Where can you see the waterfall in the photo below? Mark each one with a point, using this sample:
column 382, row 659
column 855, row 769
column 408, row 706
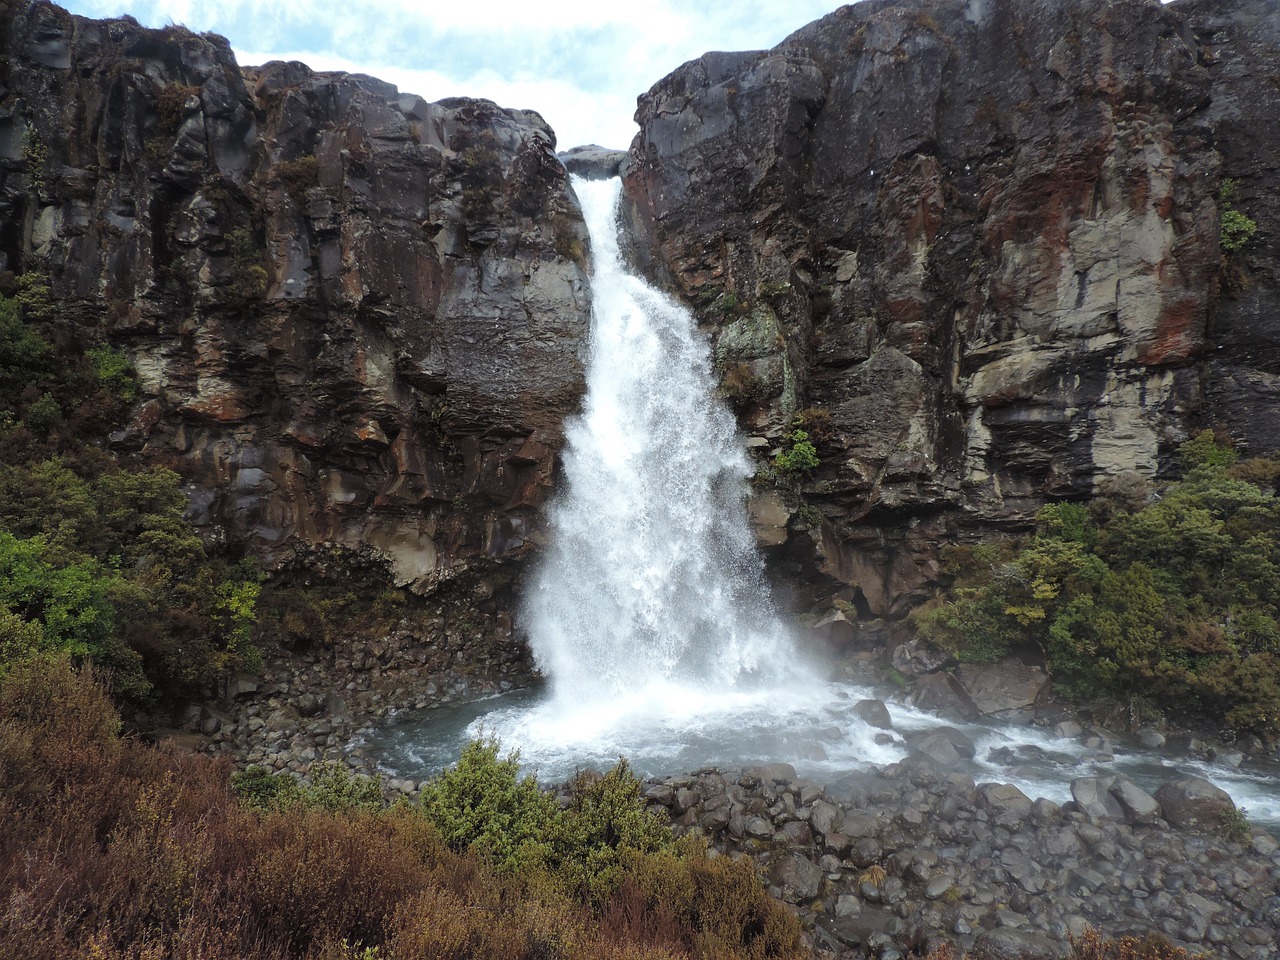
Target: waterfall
column 652, row 574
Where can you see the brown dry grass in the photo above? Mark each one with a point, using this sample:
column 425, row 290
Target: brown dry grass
column 115, row 850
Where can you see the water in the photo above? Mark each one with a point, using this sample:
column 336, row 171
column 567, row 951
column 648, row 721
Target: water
column 650, row 615
column 652, row 581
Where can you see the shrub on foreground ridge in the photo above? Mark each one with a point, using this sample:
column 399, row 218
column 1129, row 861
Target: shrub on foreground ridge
column 114, row 850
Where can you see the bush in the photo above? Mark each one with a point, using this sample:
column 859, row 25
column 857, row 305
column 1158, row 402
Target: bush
column 113, row 372
column 115, row 850
column 800, row 457
column 482, row 804
column 1174, row 601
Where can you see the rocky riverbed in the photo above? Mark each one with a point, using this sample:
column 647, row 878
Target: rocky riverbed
column 878, row 862
column 912, row 855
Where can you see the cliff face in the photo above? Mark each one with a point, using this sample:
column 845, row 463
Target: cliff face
column 356, row 316
column 983, row 239
column 975, row 243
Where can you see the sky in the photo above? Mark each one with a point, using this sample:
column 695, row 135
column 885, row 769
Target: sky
column 580, row 63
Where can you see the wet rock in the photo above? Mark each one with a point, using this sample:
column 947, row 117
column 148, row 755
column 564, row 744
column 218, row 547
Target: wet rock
column 874, row 713
column 942, row 693
column 916, row 658
column 1138, row 805
column 1091, row 793
column 1194, row 803
column 797, row 878
column 1006, row 691
column 1011, row 944
column 592, row 162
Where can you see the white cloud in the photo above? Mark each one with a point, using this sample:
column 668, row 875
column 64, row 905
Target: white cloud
column 576, row 115
column 580, row 63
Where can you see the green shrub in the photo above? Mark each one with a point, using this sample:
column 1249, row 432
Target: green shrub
column 482, row 804
column 43, row 415
column 605, row 819
column 1174, row 601
column 112, row 370
column 800, row 456
column 1237, row 229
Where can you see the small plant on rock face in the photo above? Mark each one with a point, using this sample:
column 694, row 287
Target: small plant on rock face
column 799, row 458
column 1237, row 228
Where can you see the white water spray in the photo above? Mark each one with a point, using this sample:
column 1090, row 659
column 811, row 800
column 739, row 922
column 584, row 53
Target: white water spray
column 652, row 575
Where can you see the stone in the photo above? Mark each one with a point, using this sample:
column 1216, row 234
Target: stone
column 957, row 423
column 797, row 878
column 1138, row 805
column 593, row 162
column 1006, row 802
column 873, row 713
column 916, row 658
column 1006, row 943
column 1193, row 803
column 1004, row 691
column 1150, row 739
column 942, row 693
column 825, row 818
column 1091, row 793
column 847, row 905
column 938, row 887
column 794, row 833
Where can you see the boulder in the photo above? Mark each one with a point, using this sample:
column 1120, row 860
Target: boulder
column 1007, row 804
column 1194, row 803
column 873, row 713
column 1091, row 793
column 943, row 694
column 1138, row 805
column 1004, row 691
column 797, row 878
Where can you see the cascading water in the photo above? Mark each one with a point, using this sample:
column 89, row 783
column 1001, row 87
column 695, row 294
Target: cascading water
column 652, row 575
column 650, row 614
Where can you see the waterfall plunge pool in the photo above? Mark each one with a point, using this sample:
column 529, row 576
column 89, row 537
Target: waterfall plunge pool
column 671, row 730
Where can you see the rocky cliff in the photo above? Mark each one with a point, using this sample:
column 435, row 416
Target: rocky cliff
column 356, row 316
column 975, row 246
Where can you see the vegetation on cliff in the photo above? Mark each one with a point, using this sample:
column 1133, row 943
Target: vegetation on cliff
column 114, row 850
column 1166, row 596
column 96, row 558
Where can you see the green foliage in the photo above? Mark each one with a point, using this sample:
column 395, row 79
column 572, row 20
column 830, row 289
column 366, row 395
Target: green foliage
column 1203, row 450
column 112, row 370
column 259, row 788
column 799, row 458
column 1234, row 825
column 248, row 276
column 24, row 353
column 1237, row 229
column 335, row 788
column 482, row 804
column 1176, row 602
column 605, row 821
column 43, row 415
column 113, row 545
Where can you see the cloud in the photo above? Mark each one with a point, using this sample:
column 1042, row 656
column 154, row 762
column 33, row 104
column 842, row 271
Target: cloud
column 580, row 63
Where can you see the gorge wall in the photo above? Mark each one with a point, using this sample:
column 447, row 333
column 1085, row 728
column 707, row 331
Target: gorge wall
column 977, row 243
column 356, row 316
